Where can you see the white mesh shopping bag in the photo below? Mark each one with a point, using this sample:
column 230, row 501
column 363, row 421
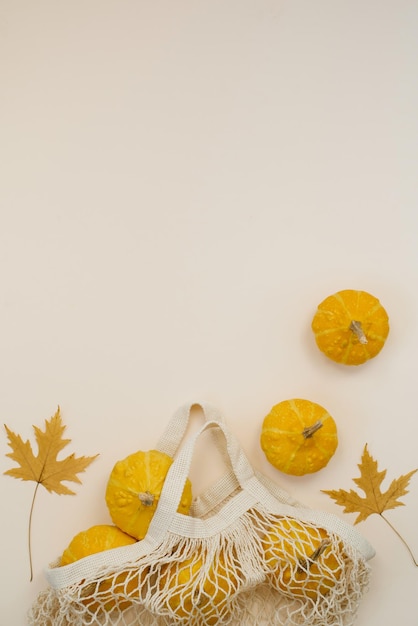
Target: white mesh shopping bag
column 247, row 554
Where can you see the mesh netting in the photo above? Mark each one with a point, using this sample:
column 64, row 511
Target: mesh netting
column 263, row 568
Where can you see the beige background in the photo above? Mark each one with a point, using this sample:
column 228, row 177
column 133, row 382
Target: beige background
column 182, row 183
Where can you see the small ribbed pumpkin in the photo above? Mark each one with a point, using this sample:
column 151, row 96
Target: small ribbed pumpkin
column 298, row 436
column 301, row 559
column 110, row 592
column 190, row 596
column 134, row 487
column 350, row 326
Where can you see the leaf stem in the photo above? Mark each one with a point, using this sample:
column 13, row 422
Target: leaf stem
column 401, row 538
column 29, row 530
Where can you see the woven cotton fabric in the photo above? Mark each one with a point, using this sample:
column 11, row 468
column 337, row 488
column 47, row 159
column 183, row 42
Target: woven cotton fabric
column 248, row 554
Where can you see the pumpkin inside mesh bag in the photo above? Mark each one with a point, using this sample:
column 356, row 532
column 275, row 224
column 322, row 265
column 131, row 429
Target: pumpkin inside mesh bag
column 247, row 554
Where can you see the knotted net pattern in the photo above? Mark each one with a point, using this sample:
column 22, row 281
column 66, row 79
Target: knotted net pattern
column 263, row 568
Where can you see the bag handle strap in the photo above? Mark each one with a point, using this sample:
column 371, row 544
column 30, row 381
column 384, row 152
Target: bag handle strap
column 170, row 441
column 179, row 470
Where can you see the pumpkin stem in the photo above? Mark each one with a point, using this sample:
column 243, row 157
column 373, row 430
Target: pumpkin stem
column 357, row 329
column 311, row 430
column 305, row 564
column 147, row 498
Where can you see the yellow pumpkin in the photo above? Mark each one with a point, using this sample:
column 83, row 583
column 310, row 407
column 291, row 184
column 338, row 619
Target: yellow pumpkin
column 350, row 326
column 301, row 559
column 298, row 436
column 134, row 487
column 104, row 594
column 189, row 595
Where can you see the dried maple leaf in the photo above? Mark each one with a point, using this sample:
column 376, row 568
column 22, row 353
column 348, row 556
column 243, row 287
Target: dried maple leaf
column 374, row 500
column 44, row 468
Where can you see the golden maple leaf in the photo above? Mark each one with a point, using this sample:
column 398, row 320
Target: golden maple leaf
column 374, row 500
column 44, row 468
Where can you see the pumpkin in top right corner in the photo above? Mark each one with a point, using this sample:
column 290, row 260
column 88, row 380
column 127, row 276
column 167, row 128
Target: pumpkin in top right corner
column 350, row 326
